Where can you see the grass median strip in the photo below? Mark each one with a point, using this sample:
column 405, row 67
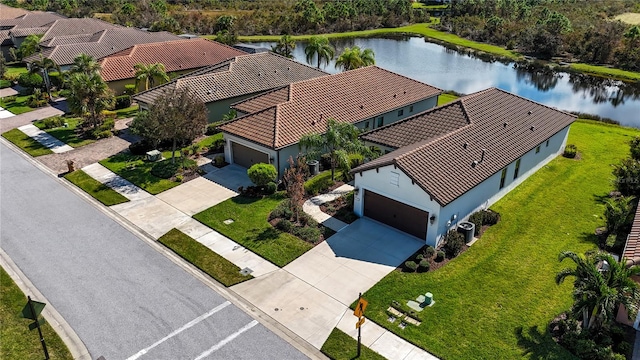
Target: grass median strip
column 340, row 346
column 203, row 258
column 26, row 143
column 68, row 134
column 18, row 342
column 93, row 187
column 138, row 171
column 251, row 229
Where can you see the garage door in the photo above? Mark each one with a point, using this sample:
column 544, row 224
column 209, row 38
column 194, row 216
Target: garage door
column 401, row 216
column 245, row 156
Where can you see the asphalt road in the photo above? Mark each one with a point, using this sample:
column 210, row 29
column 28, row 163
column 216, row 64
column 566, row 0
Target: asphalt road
column 124, row 299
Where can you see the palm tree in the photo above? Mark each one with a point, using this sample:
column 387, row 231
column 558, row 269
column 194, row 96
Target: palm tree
column 89, row 96
column 148, row 74
column 598, row 292
column 339, row 141
column 285, row 46
column 319, row 46
column 354, row 58
column 85, row 64
column 44, row 65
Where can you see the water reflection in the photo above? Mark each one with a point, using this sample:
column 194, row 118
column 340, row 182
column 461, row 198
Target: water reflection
column 466, row 72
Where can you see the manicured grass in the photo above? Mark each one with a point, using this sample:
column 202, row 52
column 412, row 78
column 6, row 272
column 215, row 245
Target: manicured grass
column 629, row 18
column 446, row 98
column 495, row 300
column 340, row 346
column 67, row 134
column 419, row 5
column 4, row 84
column 17, row 107
column 93, row 187
column 203, row 258
column 130, row 111
column 321, row 182
column 16, row 70
column 251, row 229
column 138, row 171
column 26, row 143
column 606, row 71
column 18, row 342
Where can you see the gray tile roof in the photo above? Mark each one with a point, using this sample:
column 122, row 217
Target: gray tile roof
column 242, row 75
column 24, row 32
column 8, row 12
column 32, row 19
column 442, row 165
column 76, row 26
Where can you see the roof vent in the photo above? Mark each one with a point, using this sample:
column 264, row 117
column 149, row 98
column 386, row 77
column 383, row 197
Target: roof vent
column 465, row 145
column 405, row 92
column 275, row 71
column 474, row 163
column 361, row 107
column 209, row 92
column 259, row 74
column 505, row 124
column 533, row 127
column 394, row 95
column 530, row 112
column 288, row 67
column 204, row 53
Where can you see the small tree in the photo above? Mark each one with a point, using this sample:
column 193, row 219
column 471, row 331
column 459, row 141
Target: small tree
column 294, row 178
column 261, row 174
column 28, row 47
column 149, row 73
column 635, row 148
column 285, row 46
column 149, row 127
column 89, row 96
column 44, row 65
column 627, row 175
column 3, row 66
column 84, row 64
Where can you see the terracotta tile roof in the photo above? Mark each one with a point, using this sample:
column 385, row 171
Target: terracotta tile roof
column 8, row 12
column 632, row 248
column 102, row 43
column 243, row 75
column 263, row 101
column 176, row 55
column 442, row 166
column 351, row 96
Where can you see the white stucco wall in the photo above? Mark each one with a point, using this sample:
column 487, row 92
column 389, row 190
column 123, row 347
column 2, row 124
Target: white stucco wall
column 406, row 192
column 228, row 152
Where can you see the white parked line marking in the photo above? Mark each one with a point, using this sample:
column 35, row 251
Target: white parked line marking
column 181, row 329
column 228, row 339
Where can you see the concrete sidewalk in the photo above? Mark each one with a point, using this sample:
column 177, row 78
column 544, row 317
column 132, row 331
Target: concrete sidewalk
column 28, row 118
column 45, row 139
column 312, row 207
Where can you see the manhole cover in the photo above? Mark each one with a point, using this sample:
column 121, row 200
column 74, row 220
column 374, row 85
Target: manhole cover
column 228, row 221
column 246, row 271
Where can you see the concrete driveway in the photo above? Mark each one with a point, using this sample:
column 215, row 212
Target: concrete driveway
column 311, row 294
column 231, row 176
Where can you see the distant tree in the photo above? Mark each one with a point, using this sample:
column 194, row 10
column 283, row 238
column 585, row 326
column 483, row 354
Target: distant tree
column 84, row 64
column 354, row 58
column 294, row 178
column 89, row 96
column 226, row 37
column 44, row 65
column 29, row 46
column 339, row 141
column 225, row 23
column 319, row 47
column 148, row 74
column 285, row 46
column 166, row 23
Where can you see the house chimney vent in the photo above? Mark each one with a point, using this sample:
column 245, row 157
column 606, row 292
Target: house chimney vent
column 505, row 124
column 465, row 145
column 533, row 127
column 530, row 112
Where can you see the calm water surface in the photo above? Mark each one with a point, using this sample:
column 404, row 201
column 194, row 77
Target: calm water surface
column 449, row 70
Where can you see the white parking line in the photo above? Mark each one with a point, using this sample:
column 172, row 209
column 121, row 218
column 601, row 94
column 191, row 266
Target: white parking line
column 183, row 328
column 228, row 339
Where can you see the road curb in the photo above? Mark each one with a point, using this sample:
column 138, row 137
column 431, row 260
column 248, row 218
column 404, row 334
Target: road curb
column 77, row 348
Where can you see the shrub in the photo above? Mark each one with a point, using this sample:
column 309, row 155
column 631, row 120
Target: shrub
column 212, row 128
column 38, row 99
column 123, row 101
column 308, row 233
column 490, row 217
column 271, row 188
column 570, row 151
column 140, row 148
column 217, row 146
column 284, row 225
column 219, row 160
column 635, row 148
column 107, row 125
column 440, row 256
column 261, row 174
column 477, row 218
column 10, row 99
column 102, row 134
column 410, row 266
column 318, row 183
column 165, row 169
column 109, row 114
column 56, row 79
column 429, row 252
column 4, row 84
column 454, row 244
column 53, row 122
column 283, row 211
column 30, row 81
column 179, row 178
column 130, row 89
column 424, row 265
column 419, row 257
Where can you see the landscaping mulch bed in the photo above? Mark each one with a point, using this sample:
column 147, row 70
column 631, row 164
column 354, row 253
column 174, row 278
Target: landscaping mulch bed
column 434, row 265
column 341, row 209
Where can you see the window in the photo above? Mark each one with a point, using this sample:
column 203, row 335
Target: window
column 380, row 121
column 411, row 108
column 547, row 143
column 400, row 112
column 395, row 178
column 515, row 173
column 366, row 125
column 538, row 149
column 503, row 177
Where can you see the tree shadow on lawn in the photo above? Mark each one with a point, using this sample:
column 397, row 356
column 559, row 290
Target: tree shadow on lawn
column 601, row 199
column 539, row 345
column 590, row 238
column 269, row 233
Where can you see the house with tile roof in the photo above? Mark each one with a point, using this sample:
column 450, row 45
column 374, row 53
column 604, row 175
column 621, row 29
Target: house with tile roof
column 631, row 257
column 274, row 122
column 178, row 57
column 22, row 22
column 233, row 80
column 445, row 163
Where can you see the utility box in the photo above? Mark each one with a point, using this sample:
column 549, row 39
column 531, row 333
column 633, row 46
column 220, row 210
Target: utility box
column 154, row 155
column 314, row 167
column 467, row 229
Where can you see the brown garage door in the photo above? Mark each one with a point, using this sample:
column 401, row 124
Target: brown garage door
column 396, row 214
column 245, row 156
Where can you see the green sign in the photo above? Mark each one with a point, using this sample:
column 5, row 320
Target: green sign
column 37, row 307
column 33, row 325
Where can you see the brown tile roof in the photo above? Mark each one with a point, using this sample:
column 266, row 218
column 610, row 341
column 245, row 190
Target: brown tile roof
column 351, row 96
column 102, row 43
column 24, row 32
column 8, row 12
column 243, row 75
column 442, row 166
column 32, row 19
column 175, row 55
column 263, row 101
column 632, row 248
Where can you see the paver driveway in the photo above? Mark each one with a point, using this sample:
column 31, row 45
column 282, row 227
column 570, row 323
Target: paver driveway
column 312, row 293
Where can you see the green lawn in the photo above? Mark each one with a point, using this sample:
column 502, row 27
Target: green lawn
column 16, row 70
column 67, row 134
column 26, row 143
column 18, row 342
column 251, row 229
column 4, row 84
column 138, row 171
column 130, row 111
column 446, row 98
column 93, row 187
column 496, row 300
column 340, row 346
column 203, row 258
column 606, row 71
column 17, row 107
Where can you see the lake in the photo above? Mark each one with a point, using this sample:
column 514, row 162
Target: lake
column 449, row 70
